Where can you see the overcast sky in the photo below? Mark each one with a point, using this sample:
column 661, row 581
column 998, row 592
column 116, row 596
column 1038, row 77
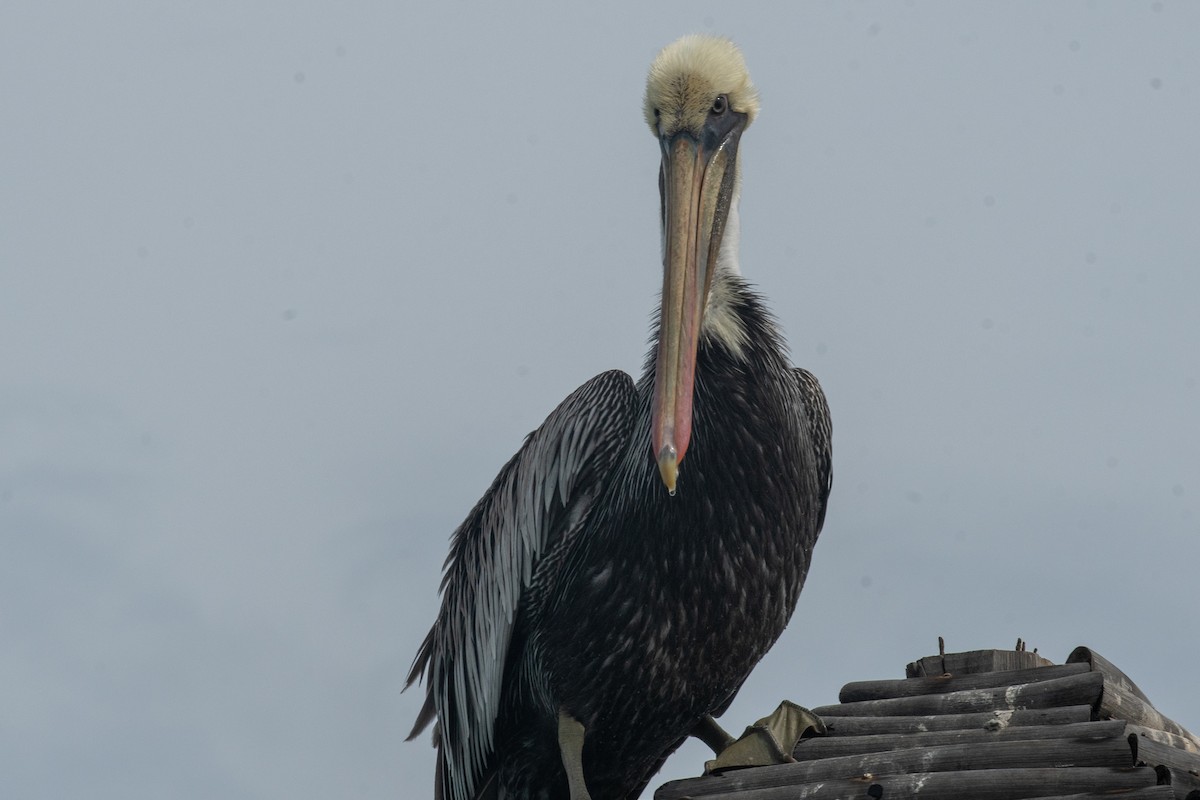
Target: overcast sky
column 282, row 286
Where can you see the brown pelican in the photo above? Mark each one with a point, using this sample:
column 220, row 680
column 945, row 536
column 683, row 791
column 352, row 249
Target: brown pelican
column 646, row 545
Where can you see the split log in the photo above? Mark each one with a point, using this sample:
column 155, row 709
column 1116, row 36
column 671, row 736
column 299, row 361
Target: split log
column 1079, row 689
column 1182, row 783
column 1098, row 663
column 975, row 661
column 941, row 684
column 1122, row 699
column 837, row 746
column 984, row 784
column 1162, row 737
column 1152, row 753
column 870, row 726
column 1104, row 752
column 1061, row 753
column 1179, row 768
column 1149, row 793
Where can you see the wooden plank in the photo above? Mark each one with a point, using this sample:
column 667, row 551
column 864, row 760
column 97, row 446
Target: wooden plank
column 1098, row 663
column 1182, row 783
column 910, row 687
column 1148, row 793
column 986, row 784
column 974, row 661
column 1075, row 753
column 1122, row 699
column 1069, row 691
column 1163, row 737
column 869, row 726
column 1181, row 768
column 1153, row 753
column 836, row 746
column 1109, row 752
column 1117, row 703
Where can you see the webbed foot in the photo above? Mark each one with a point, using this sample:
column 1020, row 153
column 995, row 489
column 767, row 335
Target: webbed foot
column 771, row 740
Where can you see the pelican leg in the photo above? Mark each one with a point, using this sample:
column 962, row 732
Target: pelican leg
column 771, row 740
column 570, row 747
column 709, row 731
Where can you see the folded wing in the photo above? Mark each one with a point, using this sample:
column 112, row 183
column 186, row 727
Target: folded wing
column 545, row 491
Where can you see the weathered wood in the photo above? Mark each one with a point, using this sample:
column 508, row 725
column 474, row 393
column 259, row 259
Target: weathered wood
column 975, row 661
column 1148, row 793
column 1117, row 703
column 1122, row 699
column 869, row 726
column 1162, row 737
column 1182, row 782
column 836, row 746
column 1154, row 752
column 1001, row 725
column 1180, row 767
column 1075, row 753
column 1098, row 663
column 909, row 687
column 1072, row 690
column 985, row 784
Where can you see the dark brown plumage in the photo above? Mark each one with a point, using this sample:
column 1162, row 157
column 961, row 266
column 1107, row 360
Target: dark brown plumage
column 579, row 588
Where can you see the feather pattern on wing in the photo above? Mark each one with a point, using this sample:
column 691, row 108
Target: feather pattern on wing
column 820, row 433
column 545, row 492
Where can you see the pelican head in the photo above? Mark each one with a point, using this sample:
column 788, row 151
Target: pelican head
column 699, row 100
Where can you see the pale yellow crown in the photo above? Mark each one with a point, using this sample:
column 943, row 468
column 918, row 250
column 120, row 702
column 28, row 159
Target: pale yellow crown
column 688, row 76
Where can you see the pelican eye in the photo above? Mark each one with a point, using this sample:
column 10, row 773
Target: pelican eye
column 720, row 105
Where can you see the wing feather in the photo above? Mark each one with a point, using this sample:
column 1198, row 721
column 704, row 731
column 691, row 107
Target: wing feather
column 493, row 558
column 820, row 433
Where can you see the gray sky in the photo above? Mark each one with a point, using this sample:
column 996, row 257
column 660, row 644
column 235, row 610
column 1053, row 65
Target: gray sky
column 283, row 285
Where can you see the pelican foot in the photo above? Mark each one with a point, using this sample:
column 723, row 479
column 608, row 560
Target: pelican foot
column 771, row 740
